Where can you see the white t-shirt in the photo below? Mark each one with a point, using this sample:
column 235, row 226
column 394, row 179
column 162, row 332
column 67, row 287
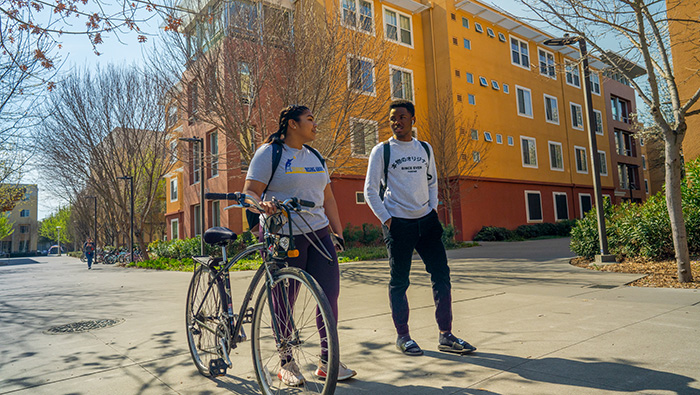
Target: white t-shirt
column 299, row 174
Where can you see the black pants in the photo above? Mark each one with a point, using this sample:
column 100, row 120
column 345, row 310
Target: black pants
column 423, row 235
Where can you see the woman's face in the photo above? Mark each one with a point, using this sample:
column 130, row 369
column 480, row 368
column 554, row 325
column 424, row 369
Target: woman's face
column 305, row 128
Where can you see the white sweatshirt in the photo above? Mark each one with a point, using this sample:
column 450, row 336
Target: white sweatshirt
column 411, row 181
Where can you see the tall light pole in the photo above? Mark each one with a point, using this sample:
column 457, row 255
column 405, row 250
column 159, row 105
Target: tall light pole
column 131, row 234
column 94, row 239
column 200, row 141
column 58, row 228
column 604, row 256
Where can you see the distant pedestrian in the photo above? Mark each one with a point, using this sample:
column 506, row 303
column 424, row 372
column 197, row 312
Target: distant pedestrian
column 89, row 251
column 401, row 190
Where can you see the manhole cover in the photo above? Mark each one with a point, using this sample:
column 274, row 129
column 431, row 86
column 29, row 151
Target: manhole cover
column 84, row 326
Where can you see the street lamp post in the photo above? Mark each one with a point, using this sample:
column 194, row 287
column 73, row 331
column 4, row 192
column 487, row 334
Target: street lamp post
column 200, row 141
column 131, row 234
column 58, row 228
column 604, row 256
column 94, row 220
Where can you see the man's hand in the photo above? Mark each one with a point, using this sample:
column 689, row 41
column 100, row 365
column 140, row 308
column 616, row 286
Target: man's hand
column 388, row 223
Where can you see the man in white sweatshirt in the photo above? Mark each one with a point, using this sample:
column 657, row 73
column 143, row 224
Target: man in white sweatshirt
column 404, row 196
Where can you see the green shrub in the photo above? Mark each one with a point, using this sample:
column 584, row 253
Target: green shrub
column 365, row 235
column 494, row 233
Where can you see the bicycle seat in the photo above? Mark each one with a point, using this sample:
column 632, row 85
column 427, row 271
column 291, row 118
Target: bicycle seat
column 219, row 235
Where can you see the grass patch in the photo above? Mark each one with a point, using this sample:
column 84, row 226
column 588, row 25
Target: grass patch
column 362, row 254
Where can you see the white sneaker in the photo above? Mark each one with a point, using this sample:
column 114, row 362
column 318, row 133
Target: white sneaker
column 344, row 372
column 290, row 374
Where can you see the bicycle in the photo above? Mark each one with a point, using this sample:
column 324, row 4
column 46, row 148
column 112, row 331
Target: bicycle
column 291, row 319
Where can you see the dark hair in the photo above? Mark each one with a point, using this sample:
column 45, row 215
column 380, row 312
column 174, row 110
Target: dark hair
column 405, row 104
column 290, row 112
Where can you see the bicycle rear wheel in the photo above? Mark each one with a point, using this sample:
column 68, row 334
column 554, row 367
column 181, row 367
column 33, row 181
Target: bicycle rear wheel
column 305, row 326
column 205, row 317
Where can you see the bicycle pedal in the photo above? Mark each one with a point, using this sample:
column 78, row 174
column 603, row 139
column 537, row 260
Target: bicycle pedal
column 217, row 367
column 248, row 316
column 241, row 336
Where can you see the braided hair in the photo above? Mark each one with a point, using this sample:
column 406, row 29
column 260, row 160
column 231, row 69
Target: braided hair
column 288, row 113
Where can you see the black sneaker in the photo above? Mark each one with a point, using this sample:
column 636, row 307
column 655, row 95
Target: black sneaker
column 451, row 343
column 408, row 346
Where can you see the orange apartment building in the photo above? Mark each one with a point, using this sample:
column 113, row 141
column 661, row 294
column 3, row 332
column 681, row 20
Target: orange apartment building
column 523, row 99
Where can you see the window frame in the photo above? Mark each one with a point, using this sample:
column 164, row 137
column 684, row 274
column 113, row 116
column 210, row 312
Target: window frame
column 556, row 212
column 506, row 89
column 216, row 219
column 213, row 138
column 551, row 70
column 573, row 117
column 488, row 137
column 398, row 26
column 578, row 149
column 467, row 43
column 517, row 101
column 23, row 211
column 469, row 77
column 176, row 222
column 478, row 28
column 357, row 197
column 361, row 91
column 465, row 22
column 471, row 99
column 358, row 17
column 569, row 67
column 580, row 203
column 551, row 144
column 177, row 192
column 483, row 81
column 527, row 207
column 533, row 140
column 474, row 134
column 403, row 71
column 598, row 116
column 511, row 141
column 520, row 54
column 602, row 160
column 556, row 108
column 499, row 138
column 366, row 123
column 596, row 84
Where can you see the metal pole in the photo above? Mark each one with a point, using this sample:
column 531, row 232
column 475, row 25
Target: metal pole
column 95, row 222
column 131, row 236
column 593, row 145
column 201, row 196
column 59, row 240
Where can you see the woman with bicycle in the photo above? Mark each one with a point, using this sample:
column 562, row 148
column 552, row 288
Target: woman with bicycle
column 301, row 173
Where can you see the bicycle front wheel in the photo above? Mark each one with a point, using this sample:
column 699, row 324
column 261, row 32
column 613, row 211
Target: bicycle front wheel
column 294, row 326
column 205, row 317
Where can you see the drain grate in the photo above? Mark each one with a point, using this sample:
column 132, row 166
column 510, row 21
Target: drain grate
column 84, row 326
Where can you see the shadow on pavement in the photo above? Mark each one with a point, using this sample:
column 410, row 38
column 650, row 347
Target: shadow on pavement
column 17, row 261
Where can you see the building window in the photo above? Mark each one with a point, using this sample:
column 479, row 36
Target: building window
column 620, row 109
column 644, row 162
column 561, row 206
column 174, row 229
column 598, row 122
column 576, row 116
column 360, row 198
column 551, row 109
column 499, row 139
column 172, row 115
column 519, row 53
column 459, row 98
column 494, row 85
column 585, row 203
column 455, row 41
column 192, row 104
column 524, row 100
column 24, row 229
column 646, row 186
column 511, row 142
column 475, row 134
column 465, row 22
column 476, row 156
column 533, row 204
column 398, row 27
column 197, row 223
column 529, row 151
column 501, row 37
column 361, row 75
column 478, row 28
column 483, row 81
column 581, row 163
column 173, row 189
column 603, row 163
column 547, row 64
column 470, row 77
column 402, row 83
column 246, row 82
column 214, row 153
column 24, row 213
column 595, row 83
column 471, row 99
column 487, row 137
column 506, row 88
column 490, row 33
column 196, row 149
column 556, row 157
column 573, row 77
column 173, row 151
column 216, row 213
column 623, row 143
column 350, row 17
column 364, row 136
column 457, row 74
column 467, row 44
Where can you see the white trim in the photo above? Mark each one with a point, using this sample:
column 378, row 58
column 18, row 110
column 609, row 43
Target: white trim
column 511, row 141
column 580, row 203
column 539, row 64
column 569, row 63
column 527, row 207
column 561, row 151
column 499, row 138
column 510, row 52
column 556, row 215
column 605, row 159
column 357, row 195
column 522, row 154
column 585, row 157
column 357, row 18
column 177, row 222
column 398, row 27
column 592, row 73
column 517, row 104
column 602, row 125
column 413, row 85
column 556, row 102
column 374, row 75
column 572, row 116
column 177, row 190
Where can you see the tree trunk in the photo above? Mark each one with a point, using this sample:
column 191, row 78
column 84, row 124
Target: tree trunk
column 675, row 207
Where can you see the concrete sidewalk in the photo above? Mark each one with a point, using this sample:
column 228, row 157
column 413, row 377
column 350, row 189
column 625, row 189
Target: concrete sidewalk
column 541, row 327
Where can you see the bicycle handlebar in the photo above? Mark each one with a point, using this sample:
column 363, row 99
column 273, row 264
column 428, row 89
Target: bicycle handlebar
column 246, row 201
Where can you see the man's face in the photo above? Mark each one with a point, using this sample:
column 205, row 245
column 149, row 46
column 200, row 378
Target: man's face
column 401, row 122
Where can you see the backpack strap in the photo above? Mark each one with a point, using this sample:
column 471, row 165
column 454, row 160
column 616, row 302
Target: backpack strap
column 387, row 155
column 427, row 151
column 318, row 154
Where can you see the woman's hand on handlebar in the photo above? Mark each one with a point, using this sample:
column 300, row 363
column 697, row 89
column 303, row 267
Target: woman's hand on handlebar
column 270, row 207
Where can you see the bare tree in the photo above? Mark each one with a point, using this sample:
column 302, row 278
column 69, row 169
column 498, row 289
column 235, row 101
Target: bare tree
column 641, row 29
column 457, row 155
column 101, row 127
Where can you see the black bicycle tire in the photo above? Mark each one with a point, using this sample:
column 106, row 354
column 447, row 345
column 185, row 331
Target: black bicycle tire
column 216, row 289
column 263, row 374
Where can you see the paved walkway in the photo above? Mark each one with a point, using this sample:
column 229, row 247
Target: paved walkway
column 541, row 326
